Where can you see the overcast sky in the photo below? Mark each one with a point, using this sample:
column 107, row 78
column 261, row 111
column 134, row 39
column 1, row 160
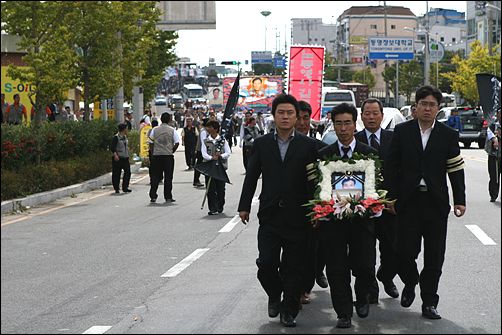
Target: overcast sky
column 240, row 28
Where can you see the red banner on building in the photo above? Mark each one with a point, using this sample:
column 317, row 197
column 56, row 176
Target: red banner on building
column 306, row 68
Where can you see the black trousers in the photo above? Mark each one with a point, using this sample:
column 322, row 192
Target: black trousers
column 348, row 245
column 215, row 194
column 421, row 218
column 282, row 261
column 494, row 183
column 196, row 174
column 162, row 165
column 386, row 233
column 117, row 167
column 190, row 154
column 316, row 260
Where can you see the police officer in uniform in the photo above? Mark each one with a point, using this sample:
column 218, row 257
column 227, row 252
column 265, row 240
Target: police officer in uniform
column 120, row 159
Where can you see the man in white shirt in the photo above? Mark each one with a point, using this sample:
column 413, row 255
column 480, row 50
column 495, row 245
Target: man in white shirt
column 211, row 151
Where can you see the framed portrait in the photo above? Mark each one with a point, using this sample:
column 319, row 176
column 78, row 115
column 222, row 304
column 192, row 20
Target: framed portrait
column 348, row 183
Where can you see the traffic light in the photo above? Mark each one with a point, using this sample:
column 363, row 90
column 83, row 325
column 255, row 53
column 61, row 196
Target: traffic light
column 232, row 62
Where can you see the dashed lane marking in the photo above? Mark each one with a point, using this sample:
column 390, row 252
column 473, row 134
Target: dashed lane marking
column 230, row 225
column 97, row 330
column 480, row 234
column 175, row 270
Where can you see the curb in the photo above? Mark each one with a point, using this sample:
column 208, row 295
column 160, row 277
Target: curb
column 49, row 196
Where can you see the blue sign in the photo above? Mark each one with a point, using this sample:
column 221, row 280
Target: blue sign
column 280, row 62
column 264, row 57
column 397, row 48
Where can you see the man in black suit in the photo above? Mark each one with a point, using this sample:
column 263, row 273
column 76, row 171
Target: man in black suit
column 315, row 271
column 422, row 152
column 385, row 225
column 281, row 158
column 348, row 244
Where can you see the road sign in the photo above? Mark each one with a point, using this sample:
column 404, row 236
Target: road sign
column 263, row 57
column 280, row 62
column 396, row 48
column 436, row 51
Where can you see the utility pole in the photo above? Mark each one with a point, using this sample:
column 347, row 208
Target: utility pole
column 387, row 97
column 427, row 61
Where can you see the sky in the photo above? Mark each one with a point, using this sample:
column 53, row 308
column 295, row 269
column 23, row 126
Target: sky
column 240, row 27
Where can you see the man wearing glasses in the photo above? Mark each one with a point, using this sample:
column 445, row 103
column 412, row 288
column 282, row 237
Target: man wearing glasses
column 421, row 154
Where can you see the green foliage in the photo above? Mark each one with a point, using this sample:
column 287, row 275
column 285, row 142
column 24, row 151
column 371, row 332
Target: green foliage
column 410, row 78
column 463, row 79
column 365, row 77
column 133, row 140
column 30, row 179
column 331, row 71
column 27, row 145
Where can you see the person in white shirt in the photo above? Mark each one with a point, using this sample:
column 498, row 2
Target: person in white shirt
column 211, row 151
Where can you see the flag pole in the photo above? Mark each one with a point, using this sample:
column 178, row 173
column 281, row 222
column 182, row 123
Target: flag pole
column 205, row 195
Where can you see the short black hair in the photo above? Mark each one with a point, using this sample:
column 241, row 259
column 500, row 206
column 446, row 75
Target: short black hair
column 213, row 124
column 155, row 123
column 257, row 78
column 347, row 179
column 165, row 117
column 15, row 96
column 122, row 126
column 216, row 89
column 304, row 106
column 427, row 90
column 344, row 108
column 285, row 99
column 372, row 101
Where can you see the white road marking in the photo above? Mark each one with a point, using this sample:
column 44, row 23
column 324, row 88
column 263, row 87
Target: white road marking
column 97, row 330
column 480, row 234
column 230, row 225
column 175, row 270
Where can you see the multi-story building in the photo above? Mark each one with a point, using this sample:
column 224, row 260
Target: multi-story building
column 313, row 31
column 483, row 23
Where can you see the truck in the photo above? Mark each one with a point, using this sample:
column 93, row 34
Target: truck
column 360, row 91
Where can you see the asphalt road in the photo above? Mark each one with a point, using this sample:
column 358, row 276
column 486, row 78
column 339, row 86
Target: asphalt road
column 98, row 262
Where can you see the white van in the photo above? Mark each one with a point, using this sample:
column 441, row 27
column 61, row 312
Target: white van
column 331, row 97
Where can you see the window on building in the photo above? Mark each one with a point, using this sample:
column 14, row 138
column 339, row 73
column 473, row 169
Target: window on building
column 373, row 26
column 315, row 39
column 453, row 39
column 392, row 26
column 322, row 40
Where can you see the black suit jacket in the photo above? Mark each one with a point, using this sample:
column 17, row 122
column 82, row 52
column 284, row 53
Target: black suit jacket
column 284, row 184
column 333, row 149
column 407, row 162
column 385, row 139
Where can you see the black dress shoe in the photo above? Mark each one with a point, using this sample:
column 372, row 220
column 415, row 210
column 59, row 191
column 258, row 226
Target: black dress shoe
column 153, row 199
column 274, row 306
column 212, row 213
column 170, row 200
column 117, row 191
column 391, row 289
column 362, row 309
column 287, row 320
column 430, row 312
column 493, row 199
column 127, row 190
column 373, row 298
column 322, row 281
column 408, row 296
column 344, row 322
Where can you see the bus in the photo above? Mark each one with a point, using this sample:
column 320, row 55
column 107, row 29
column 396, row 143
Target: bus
column 193, row 92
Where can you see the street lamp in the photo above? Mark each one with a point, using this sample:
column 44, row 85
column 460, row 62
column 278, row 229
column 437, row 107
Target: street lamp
column 265, row 13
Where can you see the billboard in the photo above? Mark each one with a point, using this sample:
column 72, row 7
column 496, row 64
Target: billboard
column 13, row 86
column 306, row 69
column 256, row 92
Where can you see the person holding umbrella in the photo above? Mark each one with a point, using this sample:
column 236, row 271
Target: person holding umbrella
column 209, row 150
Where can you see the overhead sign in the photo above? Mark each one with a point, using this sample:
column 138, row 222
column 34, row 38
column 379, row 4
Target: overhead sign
column 280, row 62
column 306, row 67
column 397, row 48
column 261, row 57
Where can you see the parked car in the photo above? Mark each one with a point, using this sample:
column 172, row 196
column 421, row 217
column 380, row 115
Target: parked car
column 473, row 124
column 160, row 100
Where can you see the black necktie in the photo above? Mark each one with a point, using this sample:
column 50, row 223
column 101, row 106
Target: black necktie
column 345, row 152
column 374, row 142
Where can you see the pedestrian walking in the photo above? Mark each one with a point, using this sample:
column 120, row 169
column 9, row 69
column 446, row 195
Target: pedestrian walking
column 120, row 160
column 385, row 225
column 189, row 136
column 316, row 261
column 349, row 244
column 281, row 159
column 16, row 112
column 493, row 149
column 165, row 143
column 215, row 187
column 251, row 132
column 422, row 152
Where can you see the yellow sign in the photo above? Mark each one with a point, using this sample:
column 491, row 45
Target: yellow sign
column 143, row 141
column 11, row 87
column 358, row 39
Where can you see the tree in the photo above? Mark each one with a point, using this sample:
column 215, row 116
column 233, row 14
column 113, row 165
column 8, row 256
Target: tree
column 50, row 57
column 410, row 78
column 479, row 61
column 365, row 76
column 331, row 70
